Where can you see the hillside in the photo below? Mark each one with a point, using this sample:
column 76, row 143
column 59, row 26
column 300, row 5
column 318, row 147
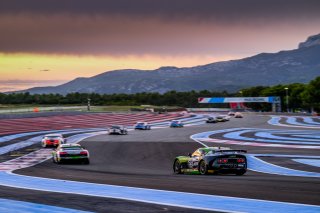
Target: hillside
column 299, row 65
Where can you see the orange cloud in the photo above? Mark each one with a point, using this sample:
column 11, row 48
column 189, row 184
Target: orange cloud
column 25, row 70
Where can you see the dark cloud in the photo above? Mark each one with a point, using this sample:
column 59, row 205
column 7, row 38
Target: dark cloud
column 218, row 9
column 150, row 26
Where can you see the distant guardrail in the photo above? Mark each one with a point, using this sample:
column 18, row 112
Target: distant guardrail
column 43, row 109
column 208, row 109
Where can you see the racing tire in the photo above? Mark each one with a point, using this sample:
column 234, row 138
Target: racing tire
column 56, row 161
column 203, row 168
column 177, row 167
column 86, row 161
column 241, row 172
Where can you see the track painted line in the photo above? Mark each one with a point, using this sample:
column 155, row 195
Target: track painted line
column 8, row 138
column 14, row 206
column 259, row 165
column 287, row 156
column 162, row 197
column 311, row 121
column 178, row 199
column 311, row 162
column 41, row 155
column 189, row 121
column 311, row 137
column 294, row 121
column 254, row 163
column 291, row 122
column 35, row 140
column 268, row 137
column 13, row 126
column 235, row 133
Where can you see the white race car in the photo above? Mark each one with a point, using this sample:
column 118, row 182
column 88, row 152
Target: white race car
column 117, row 130
column 70, row 152
column 238, row 115
column 231, row 113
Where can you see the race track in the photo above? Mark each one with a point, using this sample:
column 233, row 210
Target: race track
column 284, row 163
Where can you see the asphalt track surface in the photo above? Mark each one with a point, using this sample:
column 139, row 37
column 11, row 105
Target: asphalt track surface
column 144, row 159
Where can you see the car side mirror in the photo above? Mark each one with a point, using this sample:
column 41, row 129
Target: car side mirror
column 190, row 155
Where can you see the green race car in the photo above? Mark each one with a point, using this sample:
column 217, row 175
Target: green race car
column 212, row 160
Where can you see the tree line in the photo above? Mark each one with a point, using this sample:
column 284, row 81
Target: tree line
column 300, row 96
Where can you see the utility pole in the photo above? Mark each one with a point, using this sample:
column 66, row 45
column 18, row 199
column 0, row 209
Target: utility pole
column 287, row 98
column 88, row 105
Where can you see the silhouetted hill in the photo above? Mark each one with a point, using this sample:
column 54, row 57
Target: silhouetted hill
column 299, row 65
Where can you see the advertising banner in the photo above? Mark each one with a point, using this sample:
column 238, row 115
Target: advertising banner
column 272, row 99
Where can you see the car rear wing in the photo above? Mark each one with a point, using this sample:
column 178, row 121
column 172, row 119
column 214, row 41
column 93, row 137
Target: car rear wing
column 232, row 150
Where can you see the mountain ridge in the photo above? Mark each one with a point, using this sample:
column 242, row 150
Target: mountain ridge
column 266, row 69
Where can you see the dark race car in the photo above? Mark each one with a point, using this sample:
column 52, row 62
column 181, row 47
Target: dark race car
column 176, row 124
column 211, row 119
column 117, row 130
column 212, row 160
column 222, row 118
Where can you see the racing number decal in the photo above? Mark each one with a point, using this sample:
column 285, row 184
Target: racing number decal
column 193, row 162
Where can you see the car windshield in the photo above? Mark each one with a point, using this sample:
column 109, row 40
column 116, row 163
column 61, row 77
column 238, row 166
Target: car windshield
column 115, row 127
column 52, row 137
column 72, row 148
column 210, row 152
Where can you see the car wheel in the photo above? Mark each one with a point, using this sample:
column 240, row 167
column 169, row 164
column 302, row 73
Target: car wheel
column 86, row 161
column 44, row 145
column 55, row 160
column 177, row 167
column 241, row 172
column 203, row 169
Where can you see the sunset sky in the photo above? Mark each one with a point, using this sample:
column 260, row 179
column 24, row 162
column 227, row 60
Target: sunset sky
column 49, row 42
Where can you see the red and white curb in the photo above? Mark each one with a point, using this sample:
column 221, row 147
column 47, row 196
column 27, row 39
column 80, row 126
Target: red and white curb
column 27, row 160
